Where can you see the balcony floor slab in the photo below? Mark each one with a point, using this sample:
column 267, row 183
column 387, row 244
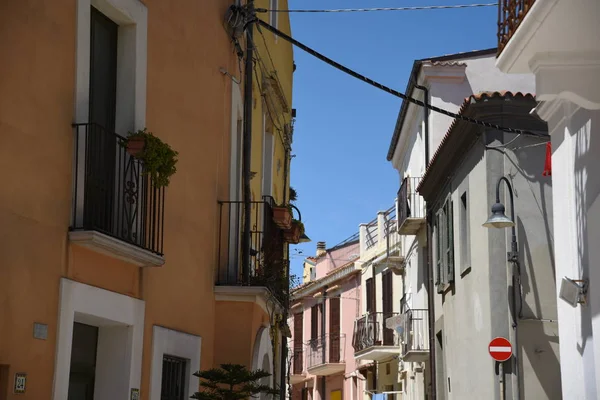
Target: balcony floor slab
column 327, row 369
column 116, row 248
column 411, row 226
column 377, row 353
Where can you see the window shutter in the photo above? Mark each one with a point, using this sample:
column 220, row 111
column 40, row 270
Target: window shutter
column 444, row 246
column 438, row 249
column 450, row 224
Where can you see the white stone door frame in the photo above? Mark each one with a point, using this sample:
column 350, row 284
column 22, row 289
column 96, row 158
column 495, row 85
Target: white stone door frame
column 120, row 320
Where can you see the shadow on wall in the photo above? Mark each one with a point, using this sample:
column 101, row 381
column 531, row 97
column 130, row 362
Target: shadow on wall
column 537, row 339
column 587, row 190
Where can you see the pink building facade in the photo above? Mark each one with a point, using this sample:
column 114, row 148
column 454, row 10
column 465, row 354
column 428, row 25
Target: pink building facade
column 322, row 315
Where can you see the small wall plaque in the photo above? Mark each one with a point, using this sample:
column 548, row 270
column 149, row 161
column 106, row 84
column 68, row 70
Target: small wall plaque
column 135, row 394
column 40, row 331
column 20, row 382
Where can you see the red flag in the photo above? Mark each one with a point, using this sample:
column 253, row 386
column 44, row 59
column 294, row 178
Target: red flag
column 548, row 164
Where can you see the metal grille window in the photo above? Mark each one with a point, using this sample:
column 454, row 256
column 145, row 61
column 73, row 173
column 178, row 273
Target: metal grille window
column 173, row 378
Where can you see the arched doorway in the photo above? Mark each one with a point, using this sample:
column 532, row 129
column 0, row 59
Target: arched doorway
column 263, row 356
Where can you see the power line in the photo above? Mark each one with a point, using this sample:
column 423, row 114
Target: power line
column 390, row 90
column 340, row 10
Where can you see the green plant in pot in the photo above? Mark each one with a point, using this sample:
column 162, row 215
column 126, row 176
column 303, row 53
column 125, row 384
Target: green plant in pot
column 159, row 158
column 293, row 234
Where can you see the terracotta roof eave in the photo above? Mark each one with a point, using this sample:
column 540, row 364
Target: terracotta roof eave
column 464, row 110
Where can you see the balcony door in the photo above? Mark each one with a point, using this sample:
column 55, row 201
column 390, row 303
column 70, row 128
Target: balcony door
column 298, row 340
column 272, row 247
column 334, row 330
column 83, row 362
column 387, row 301
column 100, row 179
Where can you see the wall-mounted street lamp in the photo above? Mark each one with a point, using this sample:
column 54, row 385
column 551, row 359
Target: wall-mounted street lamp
column 499, row 220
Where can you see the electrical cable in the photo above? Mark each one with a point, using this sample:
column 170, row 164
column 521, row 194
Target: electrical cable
column 340, row 10
column 391, row 91
column 263, row 69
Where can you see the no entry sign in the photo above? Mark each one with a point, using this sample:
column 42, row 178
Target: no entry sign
column 500, row 349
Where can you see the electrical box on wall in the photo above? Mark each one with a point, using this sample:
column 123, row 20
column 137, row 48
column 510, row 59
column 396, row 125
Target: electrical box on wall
column 573, row 291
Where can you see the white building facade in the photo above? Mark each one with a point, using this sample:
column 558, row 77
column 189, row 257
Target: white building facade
column 559, row 42
column 444, row 82
column 376, row 343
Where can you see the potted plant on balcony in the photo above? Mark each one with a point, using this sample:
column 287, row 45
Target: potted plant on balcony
column 293, row 234
column 282, row 216
column 159, row 158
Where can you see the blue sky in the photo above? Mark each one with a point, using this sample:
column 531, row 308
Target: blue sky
column 344, row 126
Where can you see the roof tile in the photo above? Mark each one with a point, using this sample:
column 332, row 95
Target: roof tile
column 474, row 98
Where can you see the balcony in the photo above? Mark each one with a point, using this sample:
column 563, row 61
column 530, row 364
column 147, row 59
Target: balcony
column 117, row 210
column 372, row 340
column 326, row 355
column 411, row 207
column 379, row 240
column 298, row 375
column 416, row 336
column 510, row 15
column 267, row 267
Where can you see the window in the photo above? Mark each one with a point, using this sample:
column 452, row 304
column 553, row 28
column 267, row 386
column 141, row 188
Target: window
column 273, row 16
column 173, row 378
column 298, row 339
column 334, row 329
column 387, row 305
column 370, row 296
column 268, row 149
column 314, row 322
column 465, row 239
column 444, row 234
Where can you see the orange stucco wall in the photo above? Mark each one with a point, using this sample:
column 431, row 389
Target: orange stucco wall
column 239, row 320
column 188, row 106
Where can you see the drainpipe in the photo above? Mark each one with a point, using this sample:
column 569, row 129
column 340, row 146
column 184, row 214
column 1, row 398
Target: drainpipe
column 284, row 347
column 431, row 304
column 429, row 256
column 323, row 320
column 425, row 120
column 247, row 151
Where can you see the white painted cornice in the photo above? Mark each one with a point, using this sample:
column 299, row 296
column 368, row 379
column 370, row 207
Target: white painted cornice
column 444, row 73
column 571, row 76
column 325, row 281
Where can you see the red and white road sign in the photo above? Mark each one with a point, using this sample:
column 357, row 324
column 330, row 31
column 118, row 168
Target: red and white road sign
column 500, row 349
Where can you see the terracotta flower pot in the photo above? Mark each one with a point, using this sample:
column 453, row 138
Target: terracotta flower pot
column 135, row 146
column 292, row 235
column 282, row 217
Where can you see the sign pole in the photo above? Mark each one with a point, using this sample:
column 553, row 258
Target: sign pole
column 501, row 379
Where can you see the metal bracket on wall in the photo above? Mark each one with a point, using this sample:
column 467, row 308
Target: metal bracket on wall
column 574, row 291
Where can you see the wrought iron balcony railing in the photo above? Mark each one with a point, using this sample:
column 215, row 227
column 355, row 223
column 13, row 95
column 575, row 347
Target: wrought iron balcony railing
column 267, row 268
column 327, row 349
column 416, row 333
column 370, row 331
column 111, row 193
column 510, row 15
column 411, row 207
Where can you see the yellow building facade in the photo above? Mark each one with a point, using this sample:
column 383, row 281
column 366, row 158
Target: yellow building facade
column 255, row 307
column 110, row 285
